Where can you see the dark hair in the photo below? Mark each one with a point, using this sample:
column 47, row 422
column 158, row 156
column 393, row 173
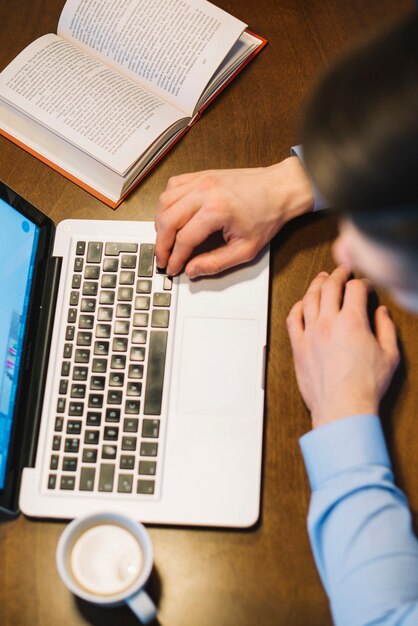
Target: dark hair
column 360, row 136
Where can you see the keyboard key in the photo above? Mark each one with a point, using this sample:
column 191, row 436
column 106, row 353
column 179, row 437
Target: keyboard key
column 108, row 281
column 105, row 314
column 91, row 437
column 87, row 475
column 101, row 348
column 94, row 252
column 148, row 448
column 128, row 261
column 56, row 442
column 92, row 272
column 116, row 379
column 52, row 481
column 139, row 336
column 111, row 433
column 167, row 283
column 67, row 483
column 103, row 331
column 145, row 487
column 65, row 368
column 68, row 350
column 69, row 333
column 86, row 321
column 96, row 400
column 54, row 462
column 80, row 373
column 147, row 468
column 127, row 278
column 82, row 355
column 146, row 260
column 59, row 423
column 93, row 418
column 106, row 477
column 72, row 316
column 129, row 444
column 89, row 455
column 125, row 483
column 88, row 305
column 114, row 248
column 84, row 338
column 97, row 383
column 130, row 425
column 109, row 452
column 125, row 294
column 76, row 282
column 72, row 445
column 136, row 371
column 120, row 344
column 155, row 373
column 127, row 461
column 78, row 391
column 143, row 286
column 141, row 319
column 114, row 397
column 73, row 427
column 161, row 299
column 60, row 405
column 80, row 248
column 123, row 310
column 137, row 354
column 150, row 428
column 99, row 366
column 63, row 386
column 132, row 407
column 112, row 415
column 74, row 298
column 76, row 409
column 90, row 289
column 142, row 303
column 107, row 297
column 78, row 264
column 110, row 265
column 160, row 318
column 122, row 327
column 133, row 389
column 118, row 361
column 69, row 464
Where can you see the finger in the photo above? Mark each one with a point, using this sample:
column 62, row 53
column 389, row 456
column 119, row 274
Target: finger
column 193, row 233
column 386, row 333
column 295, row 324
column 235, row 252
column 333, row 289
column 168, row 225
column 355, row 296
column 169, row 197
column 311, row 299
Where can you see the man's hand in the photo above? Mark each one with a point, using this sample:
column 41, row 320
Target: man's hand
column 248, row 206
column 342, row 368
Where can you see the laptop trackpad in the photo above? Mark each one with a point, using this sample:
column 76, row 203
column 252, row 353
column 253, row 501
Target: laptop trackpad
column 219, row 367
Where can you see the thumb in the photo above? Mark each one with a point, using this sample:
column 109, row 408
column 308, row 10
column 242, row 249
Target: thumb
column 386, row 333
column 231, row 254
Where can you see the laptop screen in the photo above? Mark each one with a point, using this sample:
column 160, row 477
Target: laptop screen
column 18, row 245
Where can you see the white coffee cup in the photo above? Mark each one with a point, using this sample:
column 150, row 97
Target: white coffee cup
column 107, row 558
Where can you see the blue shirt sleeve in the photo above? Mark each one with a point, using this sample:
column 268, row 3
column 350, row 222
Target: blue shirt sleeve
column 319, row 202
column 360, row 525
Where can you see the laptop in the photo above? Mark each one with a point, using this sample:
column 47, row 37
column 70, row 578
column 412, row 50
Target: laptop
column 121, row 388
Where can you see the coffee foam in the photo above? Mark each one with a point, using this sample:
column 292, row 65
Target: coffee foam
column 106, row 560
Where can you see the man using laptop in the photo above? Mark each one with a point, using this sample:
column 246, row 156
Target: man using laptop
column 361, row 138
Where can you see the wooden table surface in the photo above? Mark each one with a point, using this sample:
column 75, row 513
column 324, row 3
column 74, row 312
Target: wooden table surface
column 206, row 577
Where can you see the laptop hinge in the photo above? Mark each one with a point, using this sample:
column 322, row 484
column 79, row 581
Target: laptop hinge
column 38, row 357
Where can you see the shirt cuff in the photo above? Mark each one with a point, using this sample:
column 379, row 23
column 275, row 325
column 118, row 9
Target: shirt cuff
column 345, row 444
column 319, row 202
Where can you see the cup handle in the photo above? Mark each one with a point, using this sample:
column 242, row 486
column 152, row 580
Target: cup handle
column 143, row 607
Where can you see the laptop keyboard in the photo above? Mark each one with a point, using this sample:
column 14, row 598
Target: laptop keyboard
column 107, row 423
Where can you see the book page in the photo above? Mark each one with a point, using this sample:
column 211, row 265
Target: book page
column 171, row 46
column 98, row 110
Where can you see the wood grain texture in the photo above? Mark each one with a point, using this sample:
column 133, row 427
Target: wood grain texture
column 264, row 576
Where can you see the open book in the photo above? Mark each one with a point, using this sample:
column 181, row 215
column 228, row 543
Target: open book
column 120, row 83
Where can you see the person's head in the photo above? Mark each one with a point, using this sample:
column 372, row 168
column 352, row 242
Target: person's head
column 360, row 137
